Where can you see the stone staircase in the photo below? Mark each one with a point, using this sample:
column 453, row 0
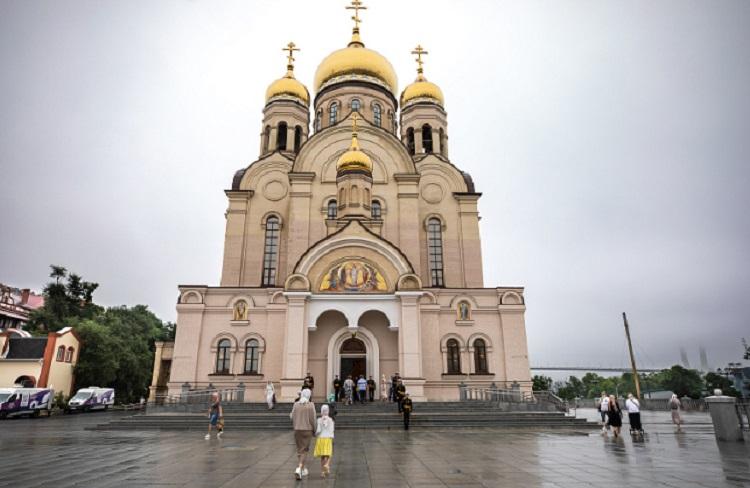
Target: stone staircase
column 375, row 415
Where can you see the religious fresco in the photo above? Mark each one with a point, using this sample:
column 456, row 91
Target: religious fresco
column 353, row 276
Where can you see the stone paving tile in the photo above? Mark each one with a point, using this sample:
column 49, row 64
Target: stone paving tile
column 59, row 452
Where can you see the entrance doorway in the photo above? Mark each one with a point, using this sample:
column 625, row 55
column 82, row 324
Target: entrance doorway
column 353, row 358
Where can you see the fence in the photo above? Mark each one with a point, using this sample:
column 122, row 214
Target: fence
column 687, row 404
column 514, row 398
column 742, row 407
column 195, row 400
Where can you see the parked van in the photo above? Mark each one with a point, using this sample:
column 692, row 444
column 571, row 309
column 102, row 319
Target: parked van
column 91, row 398
column 15, row 402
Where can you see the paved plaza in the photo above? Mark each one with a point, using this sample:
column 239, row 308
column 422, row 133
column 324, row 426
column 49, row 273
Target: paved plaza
column 60, row 452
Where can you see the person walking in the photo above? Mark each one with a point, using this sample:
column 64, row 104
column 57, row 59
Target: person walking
column 633, row 406
column 400, row 395
column 406, row 406
column 215, row 416
column 337, row 387
column 614, row 417
column 362, row 389
column 303, row 422
column 674, row 406
column 324, row 441
column 348, row 390
column 604, row 410
column 383, row 389
column 394, row 384
column 371, row 385
column 309, row 381
column 270, row 395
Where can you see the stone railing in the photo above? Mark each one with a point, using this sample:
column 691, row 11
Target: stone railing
column 190, row 400
column 517, row 397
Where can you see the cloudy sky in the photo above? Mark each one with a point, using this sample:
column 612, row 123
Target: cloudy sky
column 611, row 141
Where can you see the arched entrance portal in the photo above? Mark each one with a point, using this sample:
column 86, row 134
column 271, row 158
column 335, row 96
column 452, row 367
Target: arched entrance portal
column 25, row 381
column 353, row 358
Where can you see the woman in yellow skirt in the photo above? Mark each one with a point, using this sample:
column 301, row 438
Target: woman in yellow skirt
column 324, row 441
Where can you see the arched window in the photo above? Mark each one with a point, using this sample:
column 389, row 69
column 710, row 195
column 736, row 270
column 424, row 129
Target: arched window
column 454, row 357
column 281, row 136
column 333, row 113
column 222, row 356
column 355, row 105
column 480, row 356
column 251, row 356
column 377, row 115
column 297, row 138
column 427, row 138
column 271, row 251
column 60, row 354
column 410, row 140
column 266, row 138
column 69, row 355
column 375, row 210
column 318, row 120
column 435, row 251
column 342, row 196
column 354, row 195
column 332, row 209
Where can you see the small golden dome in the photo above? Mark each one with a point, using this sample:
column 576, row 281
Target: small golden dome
column 421, row 88
column 354, row 159
column 356, row 62
column 288, row 86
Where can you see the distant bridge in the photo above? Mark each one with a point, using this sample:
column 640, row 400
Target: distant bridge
column 594, row 369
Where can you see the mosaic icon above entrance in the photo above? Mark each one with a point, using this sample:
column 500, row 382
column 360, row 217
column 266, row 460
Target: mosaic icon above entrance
column 353, row 276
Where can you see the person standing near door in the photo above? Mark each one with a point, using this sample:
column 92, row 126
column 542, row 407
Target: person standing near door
column 371, row 388
column 348, row 390
column 337, row 388
column 362, row 389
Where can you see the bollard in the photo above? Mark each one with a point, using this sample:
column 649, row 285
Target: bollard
column 724, row 417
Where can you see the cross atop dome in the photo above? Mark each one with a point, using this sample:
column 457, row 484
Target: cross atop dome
column 419, row 51
column 290, row 48
column 356, row 6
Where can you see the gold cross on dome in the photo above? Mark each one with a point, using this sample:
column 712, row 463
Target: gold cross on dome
column 355, row 117
column 356, row 6
column 419, row 51
column 291, row 48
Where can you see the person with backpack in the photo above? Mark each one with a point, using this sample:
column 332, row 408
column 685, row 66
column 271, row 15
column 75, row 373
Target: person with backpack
column 603, row 410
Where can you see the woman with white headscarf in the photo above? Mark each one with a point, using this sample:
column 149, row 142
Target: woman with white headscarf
column 674, row 405
column 270, row 395
column 324, row 443
column 303, row 420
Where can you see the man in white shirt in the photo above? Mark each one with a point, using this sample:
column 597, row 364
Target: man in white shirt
column 603, row 410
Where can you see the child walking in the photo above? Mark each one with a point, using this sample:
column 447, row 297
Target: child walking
column 324, row 442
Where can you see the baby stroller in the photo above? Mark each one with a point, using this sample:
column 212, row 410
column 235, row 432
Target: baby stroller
column 636, row 428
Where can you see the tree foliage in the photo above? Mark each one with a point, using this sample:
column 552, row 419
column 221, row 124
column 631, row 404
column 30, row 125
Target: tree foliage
column 746, row 347
column 117, row 343
column 541, row 383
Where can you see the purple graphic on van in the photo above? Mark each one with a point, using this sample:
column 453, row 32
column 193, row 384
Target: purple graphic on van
column 24, row 401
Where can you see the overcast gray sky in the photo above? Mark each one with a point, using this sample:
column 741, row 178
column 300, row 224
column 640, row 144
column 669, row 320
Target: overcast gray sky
column 610, row 139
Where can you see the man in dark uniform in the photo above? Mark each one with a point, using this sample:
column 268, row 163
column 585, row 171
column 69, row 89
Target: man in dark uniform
column 371, row 388
column 407, row 407
column 337, row 387
column 310, row 381
column 400, row 395
column 394, row 384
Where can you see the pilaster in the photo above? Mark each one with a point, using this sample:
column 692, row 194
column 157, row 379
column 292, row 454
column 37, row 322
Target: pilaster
column 410, row 345
column 408, row 218
column 295, row 345
column 299, row 217
column 234, row 236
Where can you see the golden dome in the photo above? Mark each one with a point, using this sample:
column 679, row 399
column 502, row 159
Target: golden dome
column 288, row 86
column 356, row 62
column 354, row 159
column 421, row 88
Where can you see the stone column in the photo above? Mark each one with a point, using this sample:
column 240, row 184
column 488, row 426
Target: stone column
column 295, row 346
column 724, row 417
column 188, row 347
column 418, row 147
column 290, row 138
column 469, row 240
column 159, row 346
column 299, row 218
column 410, row 345
column 272, row 138
column 514, row 344
column 234, row 237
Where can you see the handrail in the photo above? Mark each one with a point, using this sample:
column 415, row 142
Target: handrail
column 512, row 396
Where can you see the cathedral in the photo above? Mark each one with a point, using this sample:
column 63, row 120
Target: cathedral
column 352, row 247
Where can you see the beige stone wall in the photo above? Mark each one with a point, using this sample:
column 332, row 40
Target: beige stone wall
column 10, row 369
column 61, row 377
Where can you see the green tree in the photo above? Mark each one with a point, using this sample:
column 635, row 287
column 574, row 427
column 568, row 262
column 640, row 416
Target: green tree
column 714, row 381
column 541, row 383
column 98, row 362
column 683, row 381
column 746, row 355
column 64, row 303
column 592, row 385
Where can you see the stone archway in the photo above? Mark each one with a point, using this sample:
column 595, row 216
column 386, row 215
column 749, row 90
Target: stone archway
column 337, row 340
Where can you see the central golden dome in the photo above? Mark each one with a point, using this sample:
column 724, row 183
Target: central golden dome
column 356, row 62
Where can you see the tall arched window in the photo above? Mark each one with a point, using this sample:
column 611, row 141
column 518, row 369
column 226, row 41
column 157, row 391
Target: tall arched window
column 333, row 113
column 375, row 210
column 377, row 115
column 342, row 196
column 435, row 251
column 69, row 355
column 410, row 140
column 281, row 136
column 480, row 356
column 427, row 138
column 297, row 138
column 60, row 354
column 251, row 356
column 222, row 356
column 266, row 138
column 318, row 120
column 332, row 209
column 355, row 105
column 271, row 251
column 454, row 357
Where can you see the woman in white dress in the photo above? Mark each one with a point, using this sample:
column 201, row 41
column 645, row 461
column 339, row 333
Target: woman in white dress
column 383, row 389
column 270, row 393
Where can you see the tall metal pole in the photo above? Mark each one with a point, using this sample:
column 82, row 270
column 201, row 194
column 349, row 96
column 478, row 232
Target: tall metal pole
column 632, row 358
